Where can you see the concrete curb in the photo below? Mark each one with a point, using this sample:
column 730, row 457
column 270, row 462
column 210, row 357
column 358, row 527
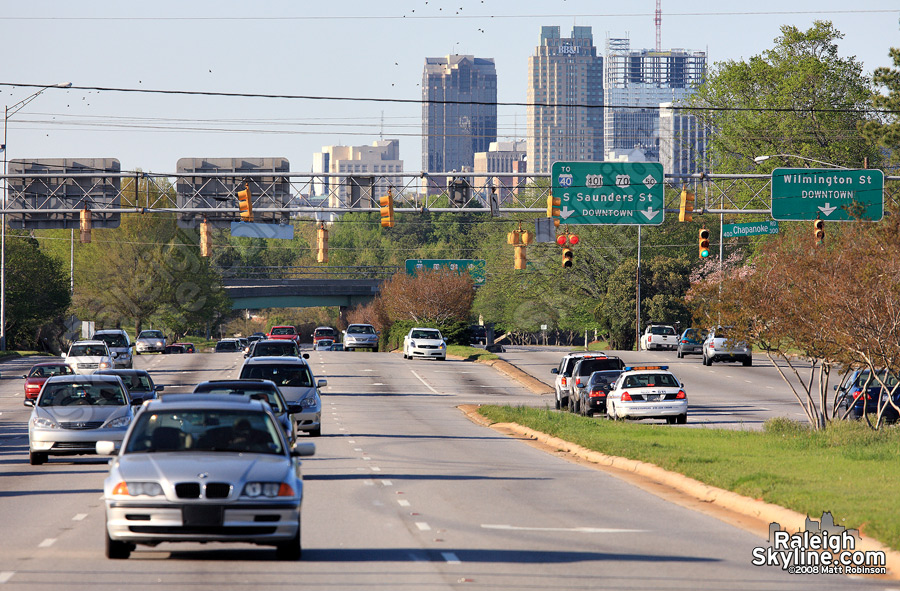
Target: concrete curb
column 526, row 379
column 790, row 521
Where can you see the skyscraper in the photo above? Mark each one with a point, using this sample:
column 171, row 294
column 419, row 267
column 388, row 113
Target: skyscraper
column 644, row 78
column 565, row 99
column 459, row 116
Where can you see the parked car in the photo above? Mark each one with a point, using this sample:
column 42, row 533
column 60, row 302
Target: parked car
column 581, row 373
column 648, row 392
column 150, row 341
column 119, row 345
column 324, row 332
column 294, row 378
column 273, row 348
column 225, row 475
column 174, row 349
column 424, row 343
column 86, row 357
column 592, row 398
column 718, row 347
column 659, row 336
column 284, row 332
column 140, row 385
column 73, row 412
column 691, row 341
column 478, row 334
column 264, row 390
column 228, row 346
column 860, row 393
column 360, row 336
column 39, row 373
column 188, row 347
column 563, row 374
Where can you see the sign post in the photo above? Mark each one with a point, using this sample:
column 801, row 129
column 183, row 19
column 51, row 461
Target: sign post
column 830, row 194
column 621, row 193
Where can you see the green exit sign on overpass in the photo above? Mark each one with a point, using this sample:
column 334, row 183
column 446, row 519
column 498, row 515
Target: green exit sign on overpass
column 830, row 194
column 475, row 267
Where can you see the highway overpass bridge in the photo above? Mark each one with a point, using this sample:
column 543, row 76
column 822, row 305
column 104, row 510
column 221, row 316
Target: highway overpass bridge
column 254, row 294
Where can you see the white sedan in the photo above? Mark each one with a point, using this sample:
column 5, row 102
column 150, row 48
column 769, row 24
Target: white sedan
column 424, row 343
column 648, row 392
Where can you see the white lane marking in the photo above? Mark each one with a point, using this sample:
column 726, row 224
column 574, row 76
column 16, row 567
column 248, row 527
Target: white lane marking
column 423, row 381
column 423, row 526
column 351, row 441
column 417, row 557
column 357, row 449
column 377, row 384
column 368, row 370
column 451, row 558
column 47, row 543
column 387, row 483
column 6, row 575
column 770, row 387
column 79, row 517
column 366, row 458
column 369, row 482
column 376, row 469
column 453, row 372
column 748, row 381
column 582, row 530
column 403, row 502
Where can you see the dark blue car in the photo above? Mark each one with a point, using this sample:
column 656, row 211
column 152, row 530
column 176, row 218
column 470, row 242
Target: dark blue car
column 862, row 394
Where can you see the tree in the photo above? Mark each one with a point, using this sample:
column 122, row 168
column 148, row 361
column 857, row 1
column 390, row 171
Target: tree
column 436, row 296
column 886, row 130
column 37, row 292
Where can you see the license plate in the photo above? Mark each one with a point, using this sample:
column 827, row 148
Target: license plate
column 653, row 397
column 203, row 515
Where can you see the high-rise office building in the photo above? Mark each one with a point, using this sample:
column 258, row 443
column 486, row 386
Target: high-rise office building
column 370, row 171
column 635, row 83
column 682, row 142
column 565, row 100
column 459, row 116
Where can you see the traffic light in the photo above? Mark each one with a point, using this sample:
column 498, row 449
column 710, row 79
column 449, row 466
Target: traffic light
column 686, row 211
column 387, row 210
column 520, row 239
column 85, row 226
column 819, row 231
column 568, row 258
column 322, row 243
column 704, row 243
column 552, row 212
column 521, row 259
column 245, row 204
column 204, row 238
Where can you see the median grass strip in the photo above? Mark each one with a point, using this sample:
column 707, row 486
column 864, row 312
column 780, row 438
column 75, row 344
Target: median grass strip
column 847, row 469
column 470, row 353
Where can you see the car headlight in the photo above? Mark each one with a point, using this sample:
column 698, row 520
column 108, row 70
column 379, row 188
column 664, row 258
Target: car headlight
column 441, row 346
column 137, row 489
column 103, row 365
column 309, row 402
column 159, row 343
column 118, row 423
column 412, row 343
column 42, row 423
column 268, row 489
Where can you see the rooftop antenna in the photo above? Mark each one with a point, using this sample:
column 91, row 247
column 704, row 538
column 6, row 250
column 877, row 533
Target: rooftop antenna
column 657, row 20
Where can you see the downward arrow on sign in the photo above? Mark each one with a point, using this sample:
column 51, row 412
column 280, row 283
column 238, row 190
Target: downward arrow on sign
column 650, row 214
column 827, row 210
column 565, row 212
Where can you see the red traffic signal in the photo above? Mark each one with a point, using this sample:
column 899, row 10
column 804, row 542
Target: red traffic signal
column 573, row 239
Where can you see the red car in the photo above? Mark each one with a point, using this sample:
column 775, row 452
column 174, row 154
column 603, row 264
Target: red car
column 188, row 347
column 283, row 332
column 34, row 379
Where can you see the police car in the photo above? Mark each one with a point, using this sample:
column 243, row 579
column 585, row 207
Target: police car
column 648, row 392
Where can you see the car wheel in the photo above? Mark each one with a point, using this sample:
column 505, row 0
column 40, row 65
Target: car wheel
column 37, row 458
column 557, row 401
column 681, row 419
column 317, row 432
column 117, row 550
column 291, row 550
column 748, row 362
column 679, row 354
column 611, row 412
column 706, row 361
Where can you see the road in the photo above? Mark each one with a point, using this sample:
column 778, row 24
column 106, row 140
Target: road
column 404, row 493
column 724, row 395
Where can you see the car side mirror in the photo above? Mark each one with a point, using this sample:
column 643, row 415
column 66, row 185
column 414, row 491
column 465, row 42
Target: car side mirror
column 105, row 448
column 554, row 370
column 303, row 449
column 137, row 400
column 158, row 387
column 29, row 402
column 321, row 383
column 306, row 355
column 63, row 355
column 294, row 408
column 25, row 376
column 835, row 387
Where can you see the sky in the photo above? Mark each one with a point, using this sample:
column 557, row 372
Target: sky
column 199, row 50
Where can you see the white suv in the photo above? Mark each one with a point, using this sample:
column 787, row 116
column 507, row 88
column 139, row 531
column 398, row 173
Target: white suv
column 564, row 376
column 86, row 357
column 119, row 346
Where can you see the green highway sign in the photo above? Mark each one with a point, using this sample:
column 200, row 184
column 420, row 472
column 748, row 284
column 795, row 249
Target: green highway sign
column 475, row 267
column 830, row 194
column 624, row 193
column 751, row 229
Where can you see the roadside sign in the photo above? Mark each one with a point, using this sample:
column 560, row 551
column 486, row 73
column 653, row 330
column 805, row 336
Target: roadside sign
column 830, row 194
column 259, row 230
column 474, row 267
column 751, row 229
column 622, row 193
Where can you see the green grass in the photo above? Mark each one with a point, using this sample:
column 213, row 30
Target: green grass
column 470, row 353
column 847, row 469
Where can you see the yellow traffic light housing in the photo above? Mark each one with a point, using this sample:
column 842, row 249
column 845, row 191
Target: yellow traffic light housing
column 703, row 238
column 686, row 211
column 322, row 244
column 552, row 212
column 819, row 231
column 387, row 210
column 245, row 204
column 204, row 238
column 568, row 258
column 85, row 226
column 521, row 258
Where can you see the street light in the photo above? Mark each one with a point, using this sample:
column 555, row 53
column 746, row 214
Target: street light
column 7, row 113
column 761, row 159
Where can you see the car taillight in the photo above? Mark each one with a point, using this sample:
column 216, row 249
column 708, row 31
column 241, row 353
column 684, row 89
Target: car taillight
column 649, row 338
column 597, row 394
column 577, row 381
column 626, row 396
column 857, row 394
column 563, row 381
column 681, row 395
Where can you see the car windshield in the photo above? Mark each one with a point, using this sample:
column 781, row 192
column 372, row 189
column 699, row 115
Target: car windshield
column 604, row 377
column 277, row 349
column 589, row 366
column 292, row 376
column 325, row 332
column 889, row 379
column 207, row 430
column 106, row 394
column 662, row 330
column 151, row 334
column 651, row 380
column 227, row 346
column 256, row 392
column 87, row 351
column 47, row 371
column 360, row 329
column 426, row 334
column 137, row 383
column 112, row 339
column 283, row 330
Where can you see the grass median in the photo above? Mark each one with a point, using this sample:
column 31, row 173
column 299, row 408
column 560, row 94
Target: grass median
column 847, row 469
column 470, row 353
